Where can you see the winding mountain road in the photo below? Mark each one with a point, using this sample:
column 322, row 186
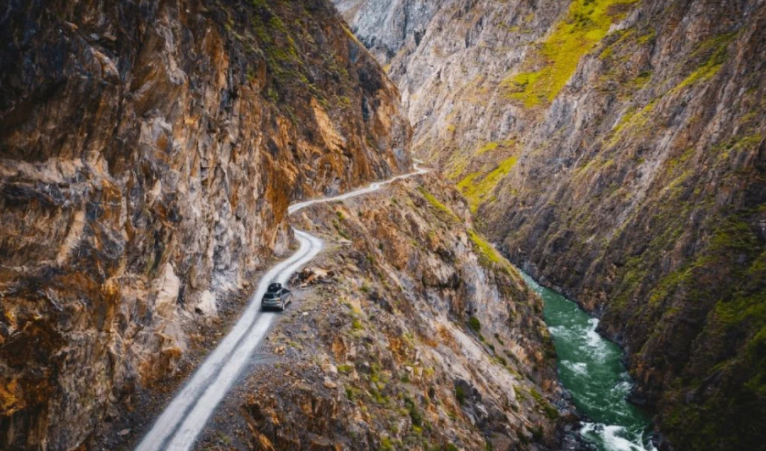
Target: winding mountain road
column 183, row 419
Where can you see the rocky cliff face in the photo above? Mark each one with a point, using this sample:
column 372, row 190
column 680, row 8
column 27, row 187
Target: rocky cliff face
column 386, row 27
column 148, row 152
column 616, row 150
column 409, row 332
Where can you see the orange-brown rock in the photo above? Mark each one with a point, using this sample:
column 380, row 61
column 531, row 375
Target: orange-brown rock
column 148, row 153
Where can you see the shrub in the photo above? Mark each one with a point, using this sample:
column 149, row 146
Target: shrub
column 474, row 324
column 460, row 394
column 415, row 416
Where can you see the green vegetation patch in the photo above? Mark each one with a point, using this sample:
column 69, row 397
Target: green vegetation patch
column 460, row 394
column 456, row 165
column 434, row 202
column 283, row 33
column 415, row 415
column 474, row 323
column 489, row 256
column 386, row 445
column 492, row 146
column 736, row 144
column 586, row 23
column 551, row 412
column 632, row 121
column 476, row 186
column 715, row 49
column 489, row 147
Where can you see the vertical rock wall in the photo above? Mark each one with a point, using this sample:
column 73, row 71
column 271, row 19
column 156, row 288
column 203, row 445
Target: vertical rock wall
column 148, row 153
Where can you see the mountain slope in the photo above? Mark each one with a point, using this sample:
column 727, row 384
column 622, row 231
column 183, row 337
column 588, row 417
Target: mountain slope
column 149, row 153
column 408, row 332
column 616, row 151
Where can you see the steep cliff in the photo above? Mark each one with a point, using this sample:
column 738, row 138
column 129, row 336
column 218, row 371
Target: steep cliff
column 409, row 332
column 148, row 152
column 616, row 151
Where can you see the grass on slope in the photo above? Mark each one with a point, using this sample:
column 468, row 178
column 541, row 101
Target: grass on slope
column 434, row 202
column 475, row 187
column 486, row 250
column 489, row 147
column 717, row 48
column 586, row 23
column 459, row 161
column 489, row 256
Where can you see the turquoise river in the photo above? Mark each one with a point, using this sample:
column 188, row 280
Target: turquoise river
column 590, row 368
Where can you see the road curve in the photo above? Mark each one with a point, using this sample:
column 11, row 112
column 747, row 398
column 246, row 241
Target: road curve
column 358, row 192
column 182, row 420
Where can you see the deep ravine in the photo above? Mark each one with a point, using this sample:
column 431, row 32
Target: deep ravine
column 150, row 152
column 617, row 150
column 590, row 367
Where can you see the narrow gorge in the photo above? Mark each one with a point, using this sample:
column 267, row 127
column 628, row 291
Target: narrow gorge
column 581, row 267
column 614, row 149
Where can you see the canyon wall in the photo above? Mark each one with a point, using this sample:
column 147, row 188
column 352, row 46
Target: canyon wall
column 615, row 150
column 148, row 153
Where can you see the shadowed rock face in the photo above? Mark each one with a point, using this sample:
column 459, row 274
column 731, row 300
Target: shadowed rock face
column 148, row 153
column 386, row 27
column 616, row 151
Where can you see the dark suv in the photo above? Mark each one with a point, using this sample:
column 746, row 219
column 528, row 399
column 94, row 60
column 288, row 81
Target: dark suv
column 277, row 297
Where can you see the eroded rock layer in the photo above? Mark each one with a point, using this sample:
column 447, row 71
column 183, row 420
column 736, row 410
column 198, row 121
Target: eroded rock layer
column 616, row 150
column 148, row 152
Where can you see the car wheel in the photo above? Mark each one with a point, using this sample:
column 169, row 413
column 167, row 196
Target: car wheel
column 283, row 306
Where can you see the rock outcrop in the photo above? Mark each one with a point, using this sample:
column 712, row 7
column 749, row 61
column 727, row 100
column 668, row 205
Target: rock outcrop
column 148, row 153
column 615, row 149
